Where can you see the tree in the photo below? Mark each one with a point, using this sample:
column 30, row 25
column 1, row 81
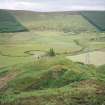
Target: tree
column 51, row 52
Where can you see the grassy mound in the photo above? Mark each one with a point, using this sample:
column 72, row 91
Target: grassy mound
column 54, row 82
column 8, row 23
column 57, row 79
column 85, row 93
column 60, row 76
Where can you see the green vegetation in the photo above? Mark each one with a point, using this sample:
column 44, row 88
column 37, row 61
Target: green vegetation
column 8, row 23
column 51, row 52
column 56, row 81
column 96, row 18
column 64, row 21
column 28, row 73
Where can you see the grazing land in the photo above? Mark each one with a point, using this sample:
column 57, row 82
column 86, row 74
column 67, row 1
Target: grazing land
column 34, row 69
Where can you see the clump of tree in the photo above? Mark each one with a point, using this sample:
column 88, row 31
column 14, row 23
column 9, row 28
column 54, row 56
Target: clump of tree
column 51, row 52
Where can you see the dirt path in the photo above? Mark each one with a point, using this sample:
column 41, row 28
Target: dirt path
column 4, row 80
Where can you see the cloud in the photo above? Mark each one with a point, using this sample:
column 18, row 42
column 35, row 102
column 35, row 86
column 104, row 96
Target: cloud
column 30, row 6
column 52, row 5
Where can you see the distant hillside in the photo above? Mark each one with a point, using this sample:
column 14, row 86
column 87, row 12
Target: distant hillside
column 8, row 23
column 76, row 21
column 97, row 18
column 54, row 21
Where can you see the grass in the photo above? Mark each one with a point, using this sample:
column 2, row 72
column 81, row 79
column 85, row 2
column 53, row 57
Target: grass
column 66, row 22
column 8, row 23
column 96, row 18
column 61, row 79
column 51, row 80
column 16, row 44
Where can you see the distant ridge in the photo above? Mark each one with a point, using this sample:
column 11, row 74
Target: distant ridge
column 13, row 20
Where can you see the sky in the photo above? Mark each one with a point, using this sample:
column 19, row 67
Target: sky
column 53, row 5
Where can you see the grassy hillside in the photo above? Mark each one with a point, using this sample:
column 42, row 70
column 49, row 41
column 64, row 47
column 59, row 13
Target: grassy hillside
column 34, row 69
column 54, row 82
column 61, row 21
column 96, row 18
column 8, row 23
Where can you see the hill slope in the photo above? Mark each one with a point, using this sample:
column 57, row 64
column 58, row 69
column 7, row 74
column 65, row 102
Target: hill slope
column 96, row 18
column 8, row 23
column 54, row 82
column 55, row 21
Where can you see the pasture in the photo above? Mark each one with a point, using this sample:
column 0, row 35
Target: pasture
column 29, row 75
column 59, row 31
column 14, row 47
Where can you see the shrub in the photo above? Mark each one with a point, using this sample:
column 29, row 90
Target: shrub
column 51, row 52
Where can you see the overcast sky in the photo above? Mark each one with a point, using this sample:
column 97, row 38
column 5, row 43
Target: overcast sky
column 53, row 5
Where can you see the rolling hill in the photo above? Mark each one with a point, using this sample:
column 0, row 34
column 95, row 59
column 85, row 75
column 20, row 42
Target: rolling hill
column 30, row 75
column 55, row 21
column 8, row 23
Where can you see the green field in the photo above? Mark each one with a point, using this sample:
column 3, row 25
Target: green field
column 34, row 69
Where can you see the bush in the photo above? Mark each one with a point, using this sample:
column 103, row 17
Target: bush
column 51, row 52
